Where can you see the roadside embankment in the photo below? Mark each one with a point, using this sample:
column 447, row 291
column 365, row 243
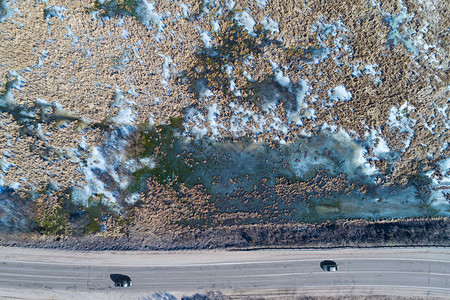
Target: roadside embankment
column 331, row 234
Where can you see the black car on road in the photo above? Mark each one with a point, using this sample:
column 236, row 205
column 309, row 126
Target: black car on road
column 329, row 265
column 121, row 280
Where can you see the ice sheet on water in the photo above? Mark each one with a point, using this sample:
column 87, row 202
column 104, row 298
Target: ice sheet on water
column 301, row 160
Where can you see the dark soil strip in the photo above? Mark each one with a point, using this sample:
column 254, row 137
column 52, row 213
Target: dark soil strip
column 331, row 234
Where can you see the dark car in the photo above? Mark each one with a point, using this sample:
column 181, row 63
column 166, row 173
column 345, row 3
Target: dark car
column 121, row 280
column 329, row 265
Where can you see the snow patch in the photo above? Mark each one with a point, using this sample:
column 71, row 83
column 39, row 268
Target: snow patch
column 7, row 11
column 261, row 3
column 118, row 97
column 166, row 70
column 5, row 165
column 374, row 138
column 366, row 167
column 15, row 186
column 215, row 25
column 270, row 25
column 230, row 4
column 339, row 93
column 54, row 12
column 234, row 89
column 93, row 184
column 381, row 147
column 124, row 117
column 244, row 19
column 443, row 110
column 213, row 113
column 83, row 144
column 147, row 15
column 281, row 79
column 370, row 70
column 102, row 168
column 398, row 119
column 206, row 39
column 125, row 34
column 185, row 8
column 394, row 35
column 194, row 123
column 149, row 162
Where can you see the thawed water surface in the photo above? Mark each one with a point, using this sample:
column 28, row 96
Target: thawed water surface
column 315, row 178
